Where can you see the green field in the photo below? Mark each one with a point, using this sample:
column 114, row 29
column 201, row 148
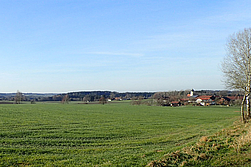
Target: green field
column 115, row 134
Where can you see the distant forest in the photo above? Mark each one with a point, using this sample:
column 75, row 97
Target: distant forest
column 77, row 96
column 112, row 95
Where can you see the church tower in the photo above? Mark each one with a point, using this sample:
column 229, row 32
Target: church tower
column 191, row 93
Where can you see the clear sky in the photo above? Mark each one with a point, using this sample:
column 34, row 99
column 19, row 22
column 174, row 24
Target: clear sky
column 117, row 45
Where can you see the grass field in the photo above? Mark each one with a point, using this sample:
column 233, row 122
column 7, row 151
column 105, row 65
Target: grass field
column 116, row 134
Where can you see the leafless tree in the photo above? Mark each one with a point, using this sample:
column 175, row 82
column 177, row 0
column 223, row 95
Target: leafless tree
column 237, row 67
column 18, row 97
column 87, row 98
column 102, row 100
column 112, row 95
column 66, row 99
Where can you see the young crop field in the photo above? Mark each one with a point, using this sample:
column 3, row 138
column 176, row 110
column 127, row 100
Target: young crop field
column 115, row 134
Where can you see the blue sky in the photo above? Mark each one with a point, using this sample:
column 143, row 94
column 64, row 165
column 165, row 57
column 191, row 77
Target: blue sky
column 133, row 45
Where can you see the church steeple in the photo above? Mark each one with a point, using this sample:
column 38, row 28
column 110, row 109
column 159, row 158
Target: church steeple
column 191, row 94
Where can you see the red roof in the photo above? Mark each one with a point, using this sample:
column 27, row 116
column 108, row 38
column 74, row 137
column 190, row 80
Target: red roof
column 175, row 102
column 235, row 97
column 204, row 97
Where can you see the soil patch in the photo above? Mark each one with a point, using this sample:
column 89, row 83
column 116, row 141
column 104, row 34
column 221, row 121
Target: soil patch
column 6, row 102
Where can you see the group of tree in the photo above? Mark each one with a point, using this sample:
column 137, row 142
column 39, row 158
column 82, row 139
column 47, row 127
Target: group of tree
column 96, row 95
column 86, row 96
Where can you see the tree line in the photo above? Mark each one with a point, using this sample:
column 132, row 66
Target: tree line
column 74, row 96
column 112, row 95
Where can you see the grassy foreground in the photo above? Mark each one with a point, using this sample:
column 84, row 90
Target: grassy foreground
column 102, row 135
column 229, row 147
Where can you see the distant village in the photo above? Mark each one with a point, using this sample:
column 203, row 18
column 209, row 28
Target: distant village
column 170, row 98
column 201, row 98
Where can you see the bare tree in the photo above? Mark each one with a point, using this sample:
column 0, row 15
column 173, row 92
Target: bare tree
column 102, row 100
column 87, row 98
column 66, row 99
column 237, row 67
column 18, row 97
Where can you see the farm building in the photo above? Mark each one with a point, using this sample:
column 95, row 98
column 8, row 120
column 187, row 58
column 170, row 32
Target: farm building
column 205, row 100
column 175, row 103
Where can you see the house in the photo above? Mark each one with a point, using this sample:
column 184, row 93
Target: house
column 118, row 98
column 233, row 98
column 185, row 101
column 205, row 100
column 175, row 103
column 224, row 101
column 228, row 100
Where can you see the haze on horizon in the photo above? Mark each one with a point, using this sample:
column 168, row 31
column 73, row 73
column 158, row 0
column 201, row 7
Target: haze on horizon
column 64, row 46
